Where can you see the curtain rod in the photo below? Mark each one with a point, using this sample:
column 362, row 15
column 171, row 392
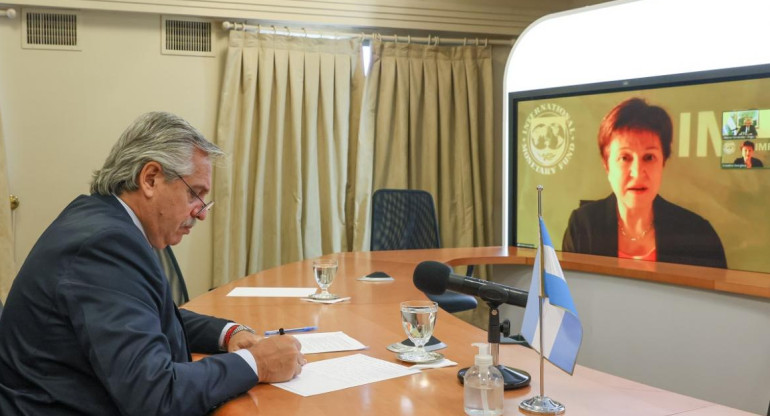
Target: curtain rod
column 434, row 40
column 10, row 13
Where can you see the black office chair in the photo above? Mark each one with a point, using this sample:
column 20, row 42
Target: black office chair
column 405, row 219
column 174, row 275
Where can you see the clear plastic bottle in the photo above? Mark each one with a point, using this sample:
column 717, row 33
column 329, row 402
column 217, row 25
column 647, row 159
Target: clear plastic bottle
column 483, row 385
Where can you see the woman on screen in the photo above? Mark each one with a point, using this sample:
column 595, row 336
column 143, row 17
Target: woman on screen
column 634, row 221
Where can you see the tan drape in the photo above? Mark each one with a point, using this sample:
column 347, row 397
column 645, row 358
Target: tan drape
column 289, row 116
column 433, row 130
column 7, row 268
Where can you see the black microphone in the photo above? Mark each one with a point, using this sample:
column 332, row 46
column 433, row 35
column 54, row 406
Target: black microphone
column 435, row 278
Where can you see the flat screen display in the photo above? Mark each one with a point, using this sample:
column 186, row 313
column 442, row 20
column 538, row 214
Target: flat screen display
column 699, row 194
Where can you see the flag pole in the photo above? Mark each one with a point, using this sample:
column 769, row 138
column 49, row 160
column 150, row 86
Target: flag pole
column 541, row 297
column 541, row 404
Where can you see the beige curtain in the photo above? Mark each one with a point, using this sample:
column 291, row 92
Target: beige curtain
column 289, row 117
column 432, row 115
column 7, row 268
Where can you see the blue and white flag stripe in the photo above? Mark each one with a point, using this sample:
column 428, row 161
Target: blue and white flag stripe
column 562, row 330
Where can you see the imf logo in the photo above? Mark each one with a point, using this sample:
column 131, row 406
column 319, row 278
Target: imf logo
column 547, row 139
column 728, row 148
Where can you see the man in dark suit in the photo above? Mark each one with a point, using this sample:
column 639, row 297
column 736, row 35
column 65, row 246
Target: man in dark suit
column 748, row 128
column 90, row 327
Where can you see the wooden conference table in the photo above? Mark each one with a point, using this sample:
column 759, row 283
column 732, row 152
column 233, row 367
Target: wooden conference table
column 372, row 317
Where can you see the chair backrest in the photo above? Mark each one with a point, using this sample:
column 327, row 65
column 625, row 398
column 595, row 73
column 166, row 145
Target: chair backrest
column 403, row 219
column 174, row 275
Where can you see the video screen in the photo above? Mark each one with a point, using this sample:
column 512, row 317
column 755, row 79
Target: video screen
column 662, row 169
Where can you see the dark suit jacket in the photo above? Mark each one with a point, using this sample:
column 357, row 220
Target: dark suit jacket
column 681, row 236
column 747, row 130
column 90, row 328
column 755, row 163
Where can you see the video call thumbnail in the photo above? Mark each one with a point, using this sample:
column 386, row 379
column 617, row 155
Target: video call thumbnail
column 745, row 154
column 742, row 124
column 745, row 145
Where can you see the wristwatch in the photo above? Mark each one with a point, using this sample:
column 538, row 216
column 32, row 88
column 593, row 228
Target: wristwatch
column 234, row 330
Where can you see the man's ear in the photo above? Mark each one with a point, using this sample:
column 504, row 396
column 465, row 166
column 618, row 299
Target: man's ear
column 149, row 178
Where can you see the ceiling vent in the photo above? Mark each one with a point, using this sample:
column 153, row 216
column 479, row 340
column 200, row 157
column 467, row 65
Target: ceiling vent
column 50, row 29
column 186, row 36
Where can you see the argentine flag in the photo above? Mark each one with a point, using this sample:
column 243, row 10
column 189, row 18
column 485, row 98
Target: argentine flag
column 562, row 331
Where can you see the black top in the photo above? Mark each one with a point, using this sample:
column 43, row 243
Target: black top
column 681, row 236
column 755, row 163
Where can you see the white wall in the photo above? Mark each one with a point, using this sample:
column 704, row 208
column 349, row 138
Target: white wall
column 627, row 39
column 62, row 111
column 710, row 345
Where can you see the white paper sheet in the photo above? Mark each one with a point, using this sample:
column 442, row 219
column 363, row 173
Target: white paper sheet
column 340, row 373
column 438, row 364
column 375, row 279
column 327, row 342
column 273, row 292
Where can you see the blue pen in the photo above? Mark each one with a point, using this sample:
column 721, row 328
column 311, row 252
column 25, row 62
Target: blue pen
column 282, row 331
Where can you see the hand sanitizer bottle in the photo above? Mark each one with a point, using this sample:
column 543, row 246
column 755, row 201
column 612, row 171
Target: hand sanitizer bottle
column 483, row 386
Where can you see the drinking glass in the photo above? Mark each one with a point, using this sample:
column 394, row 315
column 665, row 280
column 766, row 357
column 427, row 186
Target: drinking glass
column 324, row 271
column 418, row 317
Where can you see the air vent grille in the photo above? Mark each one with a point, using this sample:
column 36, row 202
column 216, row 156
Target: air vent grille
column 187, row 37
column 50, row 29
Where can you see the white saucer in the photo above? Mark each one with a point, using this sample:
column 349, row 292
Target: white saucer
column 317, row 296
column 432, row 356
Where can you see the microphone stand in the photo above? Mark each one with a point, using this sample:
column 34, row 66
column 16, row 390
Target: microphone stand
column 513, row 378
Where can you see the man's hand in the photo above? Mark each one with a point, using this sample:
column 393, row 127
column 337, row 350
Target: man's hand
column 242, row 340
column 278, row 358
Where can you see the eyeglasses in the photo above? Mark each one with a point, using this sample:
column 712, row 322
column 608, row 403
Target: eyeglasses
column 206, row 206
